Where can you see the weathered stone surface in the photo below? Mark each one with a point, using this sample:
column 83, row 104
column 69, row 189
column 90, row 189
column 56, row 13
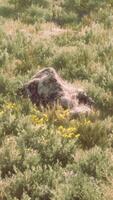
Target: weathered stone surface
column 47, row 87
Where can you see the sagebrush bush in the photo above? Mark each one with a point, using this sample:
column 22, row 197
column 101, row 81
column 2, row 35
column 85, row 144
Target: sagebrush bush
column 26, row 3
column 95, row 164
column 72, row 62
column 36, row 14
column 3, row 85
column 21, row 3
column 93, row 134
column 82, row 7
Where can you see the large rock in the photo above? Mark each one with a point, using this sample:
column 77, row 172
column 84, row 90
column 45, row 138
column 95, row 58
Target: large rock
column 47, row 87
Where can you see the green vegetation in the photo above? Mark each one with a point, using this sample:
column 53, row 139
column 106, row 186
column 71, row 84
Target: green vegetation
column 46, row 155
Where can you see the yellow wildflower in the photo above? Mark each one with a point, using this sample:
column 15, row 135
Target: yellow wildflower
column 77, row 136
column 71, row 129
column 87, row 122
column 68, row 132
column 39, row 120
column 60, row 128
column 62, row 114
column 45, row 117
column 68, row 135
column 10, row 106
column 1, row 113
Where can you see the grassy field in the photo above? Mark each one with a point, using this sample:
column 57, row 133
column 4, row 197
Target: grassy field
column 45, row 155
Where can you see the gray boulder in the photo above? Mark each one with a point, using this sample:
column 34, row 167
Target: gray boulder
column 46, row 87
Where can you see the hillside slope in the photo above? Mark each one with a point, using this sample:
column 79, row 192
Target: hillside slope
column 45, row 155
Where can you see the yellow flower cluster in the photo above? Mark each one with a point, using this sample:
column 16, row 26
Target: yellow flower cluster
column 10, row 106
column 39, row 120
column 70, row 132
column 87, row 122
column 84, row 122
column 34, row 110
column 62, row 114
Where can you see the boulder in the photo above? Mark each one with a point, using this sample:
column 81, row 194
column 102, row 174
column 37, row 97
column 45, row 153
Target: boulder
column 46, row 87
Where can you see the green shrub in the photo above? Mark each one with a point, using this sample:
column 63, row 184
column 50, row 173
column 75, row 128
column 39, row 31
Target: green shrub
column 21, row 3
column 3, row 57
column 61, row 17
column 85, row 188
column 52, row 149
column 3, row 85
column 9, row 157
column 66, row 39
column 35, row 14
column 43, row 3
column 26, row 3
column 82, row 7
column 97, row 164
column 78, row 186
column 93, row 134
column 31, row 55
column 4, row 54
column 43, row 52
column 72, row 62
column 19, row 44
column 102, row 98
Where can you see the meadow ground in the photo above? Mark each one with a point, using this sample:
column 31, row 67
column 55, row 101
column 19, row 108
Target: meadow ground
column 45, row 155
